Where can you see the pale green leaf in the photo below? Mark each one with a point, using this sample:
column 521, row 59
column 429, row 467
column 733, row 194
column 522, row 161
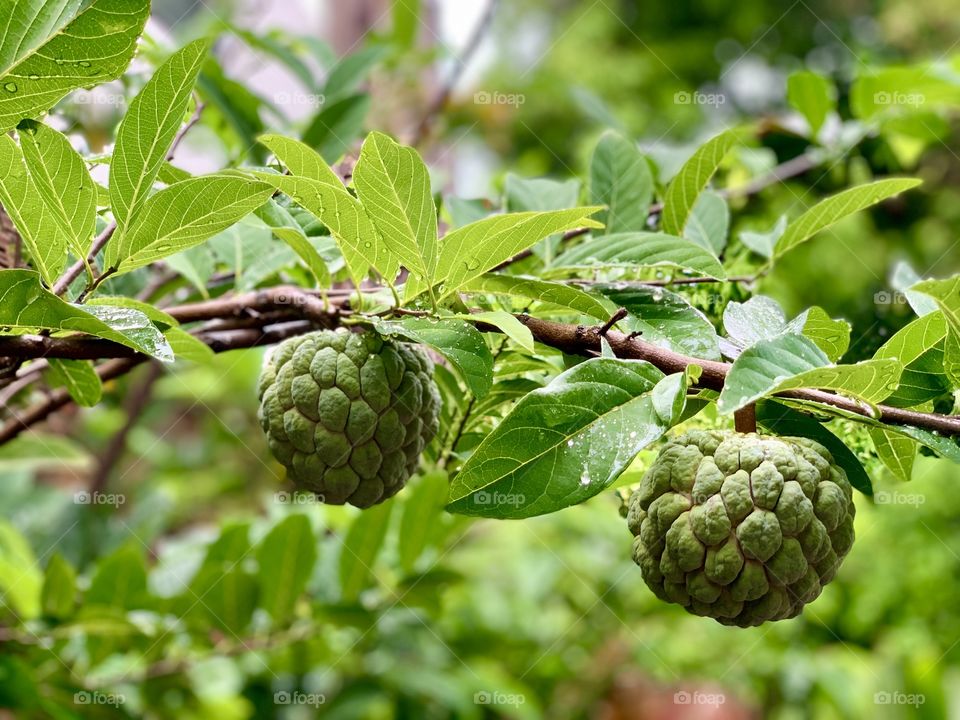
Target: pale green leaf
column 147, row 131
column 620, row 178
column 896, row 451
column 947, row 294
column 640, row 249
column 508, row 325
column 814, row 96
column 63, row 183
column 21, row 581
column 690, row 181
column 360, row 549
column 79, row 378
column 539, row 194
column 300, row 159
column 183, row 215
column 286, row 557
column 836, row 207
column 832, row 336
column 49, row 48
column 188, row 347
column 155, row 314
column 540, row 290
column 763, row 243
column 709, row 222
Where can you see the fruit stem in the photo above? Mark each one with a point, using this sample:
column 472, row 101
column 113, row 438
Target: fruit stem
column 745, row 419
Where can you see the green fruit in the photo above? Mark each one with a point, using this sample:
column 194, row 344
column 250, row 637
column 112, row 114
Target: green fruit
column 741, row 528
column 348, row 413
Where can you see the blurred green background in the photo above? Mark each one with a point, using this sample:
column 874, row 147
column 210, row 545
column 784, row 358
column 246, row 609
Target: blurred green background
column 473, row 619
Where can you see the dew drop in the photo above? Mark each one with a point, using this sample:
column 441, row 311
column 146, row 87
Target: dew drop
column 84, row 63
column 10, row 87
column 34, row 76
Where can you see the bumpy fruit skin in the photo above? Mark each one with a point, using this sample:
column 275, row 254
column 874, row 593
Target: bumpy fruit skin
column 739, row 527
column 348, row 413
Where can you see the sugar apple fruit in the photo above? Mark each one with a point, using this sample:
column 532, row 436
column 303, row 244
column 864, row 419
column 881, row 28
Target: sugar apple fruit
column 739, row 527
column 348, row 413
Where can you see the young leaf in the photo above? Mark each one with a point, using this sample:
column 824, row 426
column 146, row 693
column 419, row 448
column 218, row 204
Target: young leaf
column 759, row 318
column 48, row 49
column 896, row 451
column 183, row 215
column 763, row 243
column 830, row 211
column 709, row 222
column 566, row 442
column 187, row 347
column 507, row 323
column 620, row 178
column 79, row 378
column 791, row 362
column 785, row 421
column 947, row 295
column 286, row 557
column 471, row 251
column 360, row 549
column 813, row 96
column 394, row 188
column 690, row 181
column 641, row 249
column 831, row 336
column 63, row 183
column 666, row 319
column 26, row 305
column 42, row 236
column 540, row 290
column 147, row 131
column 458, row 341
column 300, row 159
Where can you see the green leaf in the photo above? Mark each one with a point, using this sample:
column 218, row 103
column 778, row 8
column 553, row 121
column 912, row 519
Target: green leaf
column 458, row 341
column 222, row 590
column 830, row 211
column 423, row 504
column 791, row 362
column 759, row 318
column 346, row 219
column 286, row 557
column 334, row 129
column 300, row 159
column 540, row 290
column 360, row 549
column 50, row 47
column 120, row 580
column 709, row 222
column 539, row 194
column 26, row 305
column 147, row 131
column 813, row 96
column 20, row 578
column 79, row 378
column 42, row 236
column 394, row 188
column 831, row 336
column 507, row 324
column 58, row 597
column 286, row 227
column 902, row 279
column 63, row 183
column 690, row 181
column 895, row 451
column 469, row 252
column 566, row 442
column 183, row 215
column 349, row 72
column 187, row 347
column 784, row 421
column 919, row 346
column 947, row 295
column 763, row 243
column 620, row 178
column 155, row 314
column 641, row 249
column 666, row 319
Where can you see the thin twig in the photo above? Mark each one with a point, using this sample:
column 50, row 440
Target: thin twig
column 74, row 271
